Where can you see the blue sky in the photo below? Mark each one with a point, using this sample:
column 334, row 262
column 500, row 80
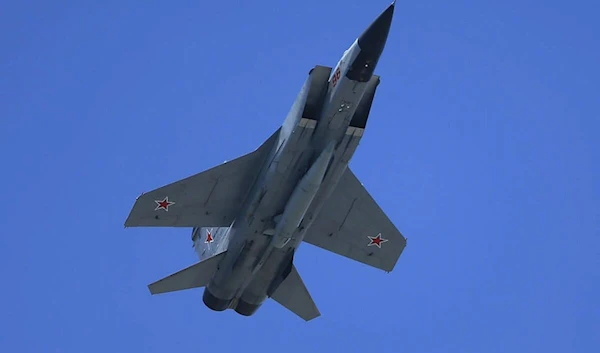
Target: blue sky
column 482, row 147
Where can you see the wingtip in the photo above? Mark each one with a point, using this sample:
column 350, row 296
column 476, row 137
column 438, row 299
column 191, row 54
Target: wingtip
column 128, row 222
column 312, row 317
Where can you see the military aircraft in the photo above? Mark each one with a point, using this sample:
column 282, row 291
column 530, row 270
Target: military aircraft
column 249, row 215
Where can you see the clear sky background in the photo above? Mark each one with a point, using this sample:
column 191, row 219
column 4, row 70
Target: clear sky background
column 482, row 147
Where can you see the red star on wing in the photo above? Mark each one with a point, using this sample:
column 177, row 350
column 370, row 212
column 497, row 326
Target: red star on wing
column 377, row 240
column 164, row 204
column 209, row 238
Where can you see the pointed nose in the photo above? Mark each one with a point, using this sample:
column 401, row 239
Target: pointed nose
column 374, row 37
column 371, row 43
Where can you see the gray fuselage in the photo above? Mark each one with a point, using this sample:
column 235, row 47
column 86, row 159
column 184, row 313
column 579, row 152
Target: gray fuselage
column 313, row 149
column 252, row 263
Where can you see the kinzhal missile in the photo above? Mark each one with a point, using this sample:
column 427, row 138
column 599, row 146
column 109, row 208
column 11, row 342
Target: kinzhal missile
column 301, row 198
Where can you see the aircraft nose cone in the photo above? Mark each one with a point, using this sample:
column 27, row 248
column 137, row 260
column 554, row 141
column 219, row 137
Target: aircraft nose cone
column 371, row 43
column 374, row 37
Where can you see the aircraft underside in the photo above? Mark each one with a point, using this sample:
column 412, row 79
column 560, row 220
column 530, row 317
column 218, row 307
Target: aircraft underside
column 249, row 215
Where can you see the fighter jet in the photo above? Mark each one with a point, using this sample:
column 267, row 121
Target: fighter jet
column 249, row 215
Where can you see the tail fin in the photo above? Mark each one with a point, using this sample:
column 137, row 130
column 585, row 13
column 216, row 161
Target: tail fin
column 293, row 295
column 210, row 241
column 195, row 276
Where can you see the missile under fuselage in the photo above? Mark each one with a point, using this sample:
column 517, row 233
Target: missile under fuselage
column 301, row 198
column 347, row 84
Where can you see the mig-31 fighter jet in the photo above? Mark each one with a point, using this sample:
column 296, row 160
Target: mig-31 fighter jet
column 249, row 215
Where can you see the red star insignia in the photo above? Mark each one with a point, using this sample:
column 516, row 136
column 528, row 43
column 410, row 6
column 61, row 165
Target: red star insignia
column 377, row 240
column 164, row 204
column 209, row 238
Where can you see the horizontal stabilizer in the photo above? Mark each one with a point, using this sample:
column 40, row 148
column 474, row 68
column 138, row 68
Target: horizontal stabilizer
column 195, row 276
column 293, row 295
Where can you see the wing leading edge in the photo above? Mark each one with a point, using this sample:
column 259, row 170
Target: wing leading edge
column 351, row 224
